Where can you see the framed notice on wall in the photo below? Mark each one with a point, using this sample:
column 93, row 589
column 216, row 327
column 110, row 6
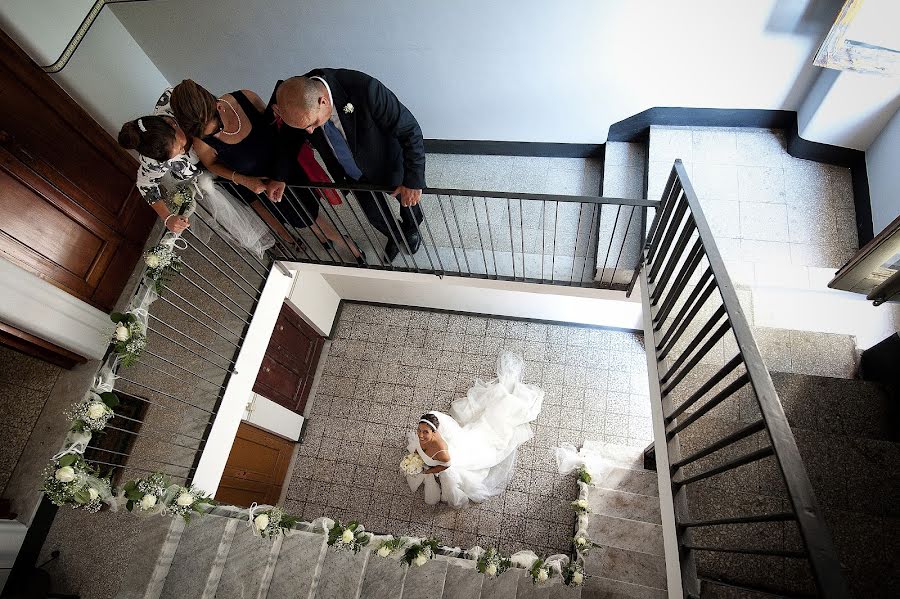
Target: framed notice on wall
column 875, row 269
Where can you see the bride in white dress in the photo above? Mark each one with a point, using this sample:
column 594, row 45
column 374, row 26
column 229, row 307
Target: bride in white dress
column 472, row 451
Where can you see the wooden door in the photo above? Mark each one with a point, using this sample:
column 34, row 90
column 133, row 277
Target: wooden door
column 256, row 467
column 288, row 367
column 69, row 210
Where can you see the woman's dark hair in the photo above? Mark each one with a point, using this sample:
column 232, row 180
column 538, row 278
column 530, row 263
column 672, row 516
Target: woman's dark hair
column 193, row 107
column 151, row 136
column 432, row 419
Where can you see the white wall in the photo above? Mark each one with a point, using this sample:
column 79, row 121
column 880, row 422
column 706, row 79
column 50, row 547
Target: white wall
column 528, row 70
column 315, row 300
column 109, row 75
column 848, row 109
column 35, row 306
column 239, row 391
column 483, row 296
column 883, row 168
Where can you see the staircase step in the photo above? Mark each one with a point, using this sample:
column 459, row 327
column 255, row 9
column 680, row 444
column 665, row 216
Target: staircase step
column 297, row 569
column 503, row 586
column 627, row 566
column 804, row 352
column 621, row 456
column 625, row 505
column 383, row 579
column 146, row 574
column 246, row 568
column 462, row 582
column 642, row 482
column 425, row 582
column 626, row 534
column 528, row 589
column 201, row 553
column 560, row 591
column 835, row 406
column 342, row 574
column 598, row 587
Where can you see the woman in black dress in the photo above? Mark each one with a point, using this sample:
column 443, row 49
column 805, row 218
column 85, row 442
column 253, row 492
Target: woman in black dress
column 238, row 141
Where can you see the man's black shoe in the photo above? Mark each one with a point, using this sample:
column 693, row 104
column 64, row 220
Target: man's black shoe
column 391, row 250
column 414, row 240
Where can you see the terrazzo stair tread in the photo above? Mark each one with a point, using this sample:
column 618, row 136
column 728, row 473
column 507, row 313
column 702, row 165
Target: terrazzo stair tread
column 626, row 534
column 425, row 582
column 837, row 406
column 383, row 579
column 599, row 587
column 558, row 590
column 299, row 562
column 618, row 455
column 504, row 586
column 462, row 582
column 527, row 589
column 622, row 504
column 627, row 566
column 341, row 574
column 715, row 590
column 245, row 567
column 146, row 573
column 642, row 482
column 199, row 548
column 806, row 352
column 852, row 474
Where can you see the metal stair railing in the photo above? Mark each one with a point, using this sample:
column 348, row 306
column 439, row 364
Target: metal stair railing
column 681, row 253
column 569, row 240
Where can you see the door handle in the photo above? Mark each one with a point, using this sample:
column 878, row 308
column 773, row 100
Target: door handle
column 268, row 369
column 280, row 327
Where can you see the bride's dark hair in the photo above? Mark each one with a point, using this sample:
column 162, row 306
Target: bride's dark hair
column 151, row 136
column 432, row 419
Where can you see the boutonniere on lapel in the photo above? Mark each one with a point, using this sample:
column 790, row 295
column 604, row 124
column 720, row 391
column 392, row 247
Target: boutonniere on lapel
column 348, row 108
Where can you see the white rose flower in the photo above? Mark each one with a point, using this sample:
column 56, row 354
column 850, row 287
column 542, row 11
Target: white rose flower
column 577, row 577
column 491, row 570
column 347, row 536
column 261, row 521
column 66, row 474
column 384, row 551
column 152, row 261
column 581, row 541
column 421, row 559
column 93, row 494
column 96, row 410
column 581, row 503
column 148, row 502
column 542, row 575
column 185, row 499
column 122, row 332
column 348, row 108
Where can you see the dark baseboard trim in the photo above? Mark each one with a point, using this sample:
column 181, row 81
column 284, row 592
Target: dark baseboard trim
column 636, row 128
column 517, row 318
column 513, row 148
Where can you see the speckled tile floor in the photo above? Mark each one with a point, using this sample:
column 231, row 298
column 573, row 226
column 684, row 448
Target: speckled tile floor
column 388, row 365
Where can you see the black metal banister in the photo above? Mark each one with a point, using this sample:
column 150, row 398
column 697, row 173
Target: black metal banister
column 679, row 219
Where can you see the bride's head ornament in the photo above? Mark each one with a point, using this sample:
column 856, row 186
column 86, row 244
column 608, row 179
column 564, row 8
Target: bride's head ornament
column 429, row 423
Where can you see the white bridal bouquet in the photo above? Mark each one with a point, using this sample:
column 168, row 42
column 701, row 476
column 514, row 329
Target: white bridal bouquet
column 412, row 464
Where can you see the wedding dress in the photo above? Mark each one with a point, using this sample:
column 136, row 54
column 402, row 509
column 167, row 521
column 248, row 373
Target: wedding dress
column 482, row 432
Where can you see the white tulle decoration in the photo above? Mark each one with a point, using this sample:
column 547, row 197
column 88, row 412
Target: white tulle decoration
column 236, row 221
